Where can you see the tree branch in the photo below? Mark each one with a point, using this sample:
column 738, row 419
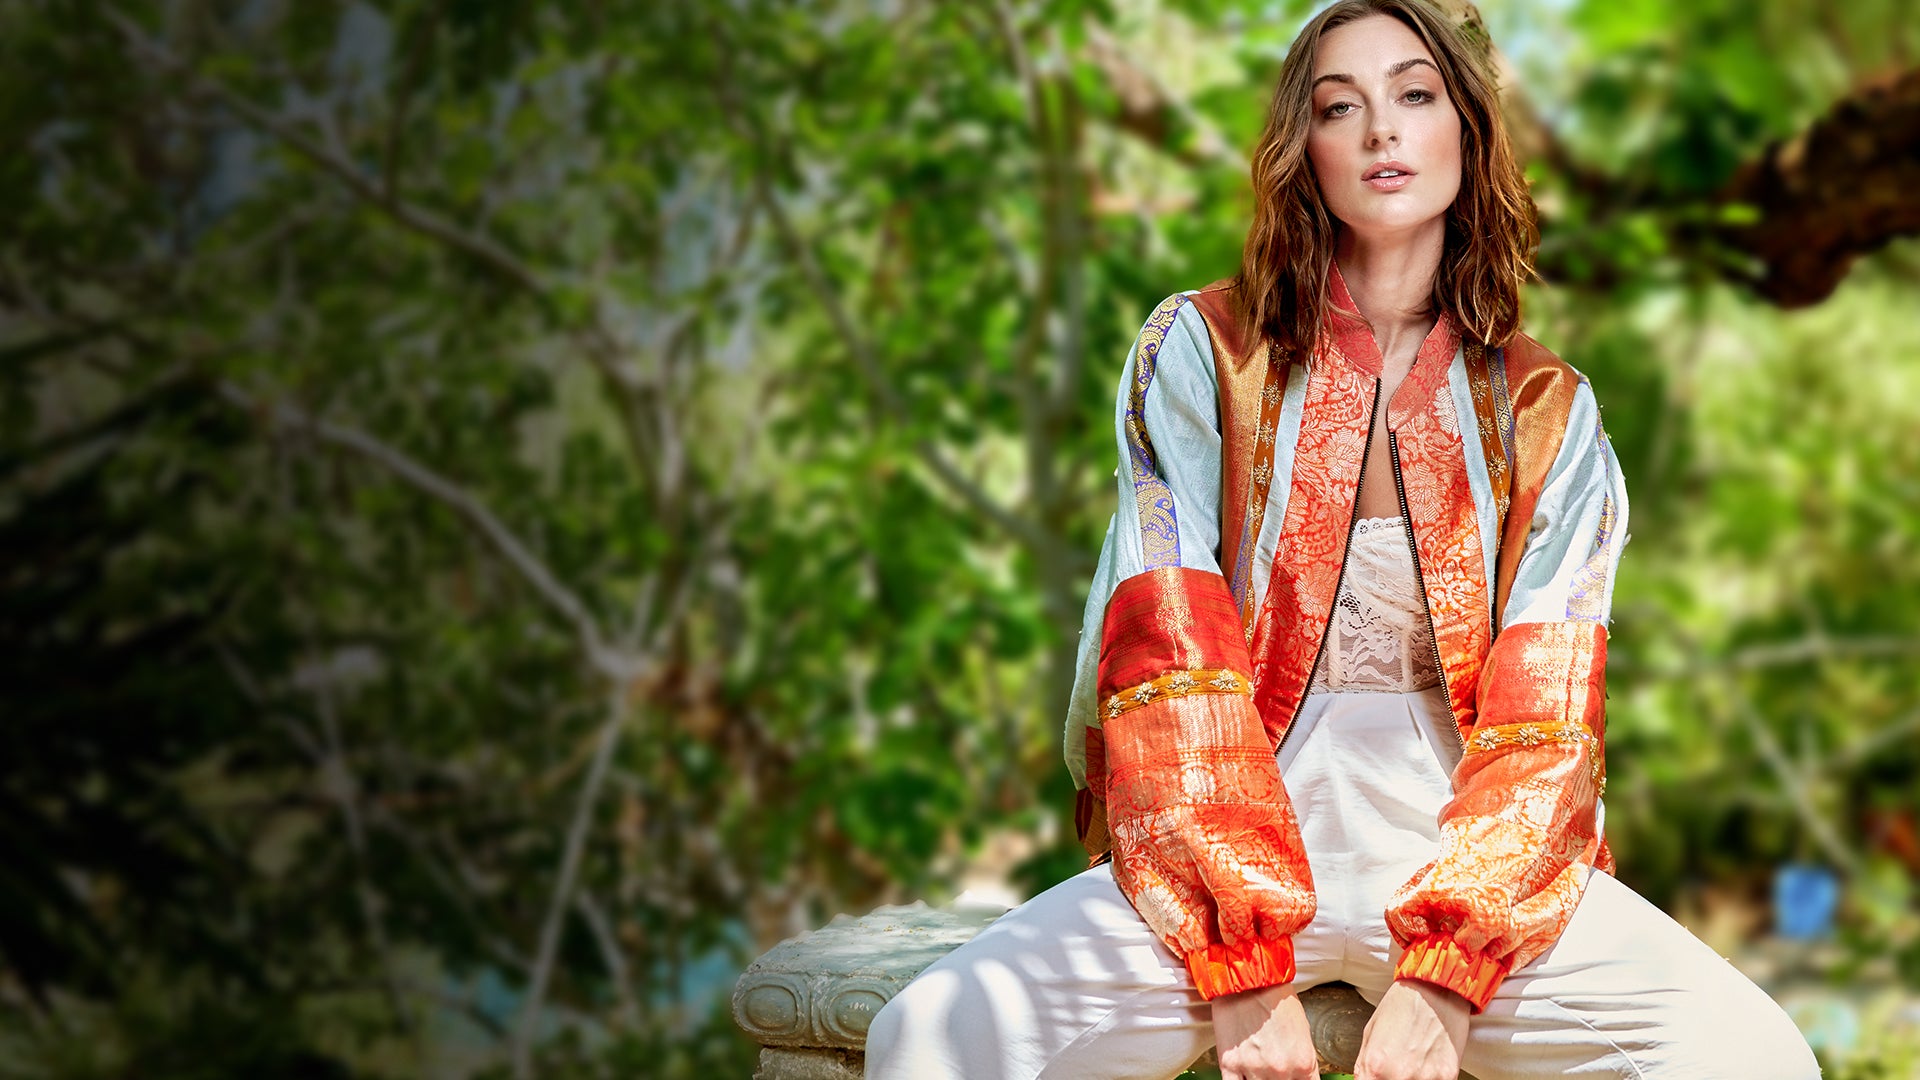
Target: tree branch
column 600, row 345
column 1145, row 109
column 339, row 781
column 1812, row 648
column 1844, row 187
column 402, row 99
column 458, row 892
column 1796, row 787
column 610, row 954
column 1821, row 647
column 609, row 738
column 608, row 660
column 368, row 188
column 1873, row 743
column 893, row 405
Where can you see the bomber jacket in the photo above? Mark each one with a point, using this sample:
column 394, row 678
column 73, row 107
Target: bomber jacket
column 1237, row 485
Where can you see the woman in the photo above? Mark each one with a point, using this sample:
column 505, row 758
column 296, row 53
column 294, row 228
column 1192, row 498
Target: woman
column 1344, row 720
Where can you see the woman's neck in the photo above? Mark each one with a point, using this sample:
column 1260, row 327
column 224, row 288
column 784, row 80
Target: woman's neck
column 1392, row 284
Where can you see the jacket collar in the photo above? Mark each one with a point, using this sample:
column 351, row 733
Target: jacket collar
column 1351, row 341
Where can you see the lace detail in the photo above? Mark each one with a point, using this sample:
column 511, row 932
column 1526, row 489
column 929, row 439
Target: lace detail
column 1379, row 637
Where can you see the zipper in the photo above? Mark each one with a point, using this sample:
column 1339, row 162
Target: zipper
column 1400, row 489
column 1366, row 448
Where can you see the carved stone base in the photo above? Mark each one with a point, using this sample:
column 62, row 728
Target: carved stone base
column 821, row 990
column 809, row 1000
column 788, row 1063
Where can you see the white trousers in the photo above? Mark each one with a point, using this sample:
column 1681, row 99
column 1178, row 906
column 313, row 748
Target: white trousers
column 1073, row 984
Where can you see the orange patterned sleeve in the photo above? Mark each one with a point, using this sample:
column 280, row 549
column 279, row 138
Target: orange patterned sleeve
column 1520, row 833
column 1523, row 830
column 1205, row 842
column 1180, row 782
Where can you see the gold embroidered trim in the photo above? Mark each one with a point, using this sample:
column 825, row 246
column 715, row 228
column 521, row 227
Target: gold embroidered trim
column 1266, row 429
column 1179, row 684
column 1159, row 527
column 1495, row 434
column 1530, row 734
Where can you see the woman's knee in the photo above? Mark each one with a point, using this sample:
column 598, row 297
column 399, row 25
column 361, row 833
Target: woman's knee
column 1730, row 1028
column 892, row 1028
column 924, row 1029
column 1765, row 1046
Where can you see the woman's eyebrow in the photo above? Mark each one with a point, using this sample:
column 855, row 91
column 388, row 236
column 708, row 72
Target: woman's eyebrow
column 1342, row 77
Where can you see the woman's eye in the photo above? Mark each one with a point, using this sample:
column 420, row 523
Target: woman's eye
column 1342, row 108
column 1418, row 96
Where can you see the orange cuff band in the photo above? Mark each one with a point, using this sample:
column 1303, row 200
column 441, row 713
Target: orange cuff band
column 1228, row 969
column 1442, row 961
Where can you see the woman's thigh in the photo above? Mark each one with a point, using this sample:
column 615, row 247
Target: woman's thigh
column 1628, row 992
column 1069, row 984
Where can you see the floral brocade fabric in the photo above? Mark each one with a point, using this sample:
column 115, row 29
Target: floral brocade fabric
column 1494, row 583
column 1204, row 838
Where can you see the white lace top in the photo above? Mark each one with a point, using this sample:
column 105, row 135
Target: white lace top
column 1379, row 638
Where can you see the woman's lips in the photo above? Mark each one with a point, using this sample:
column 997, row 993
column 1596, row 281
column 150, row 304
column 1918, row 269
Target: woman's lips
column 1389, row 183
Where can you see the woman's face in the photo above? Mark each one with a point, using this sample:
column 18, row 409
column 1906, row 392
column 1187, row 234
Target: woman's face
column 1378, row 97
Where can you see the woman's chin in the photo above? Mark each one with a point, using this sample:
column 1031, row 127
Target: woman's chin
column 1395, row 222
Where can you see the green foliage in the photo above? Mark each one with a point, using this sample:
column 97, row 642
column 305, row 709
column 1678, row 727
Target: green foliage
column 510, row 510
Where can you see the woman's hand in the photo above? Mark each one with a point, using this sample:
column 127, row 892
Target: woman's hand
column 1262, row 1035
column 1417, row 1033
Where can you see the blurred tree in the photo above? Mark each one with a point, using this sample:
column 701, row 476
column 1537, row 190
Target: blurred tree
column 511, row 509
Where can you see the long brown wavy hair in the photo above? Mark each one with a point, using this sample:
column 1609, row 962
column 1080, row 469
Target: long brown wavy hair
column 1492, row 227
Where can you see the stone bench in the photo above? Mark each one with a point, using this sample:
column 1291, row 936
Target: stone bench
column 808, row 1001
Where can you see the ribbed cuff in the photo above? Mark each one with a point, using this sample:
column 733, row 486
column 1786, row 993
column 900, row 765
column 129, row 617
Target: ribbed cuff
column 1442, row 961
column 1255, row 962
